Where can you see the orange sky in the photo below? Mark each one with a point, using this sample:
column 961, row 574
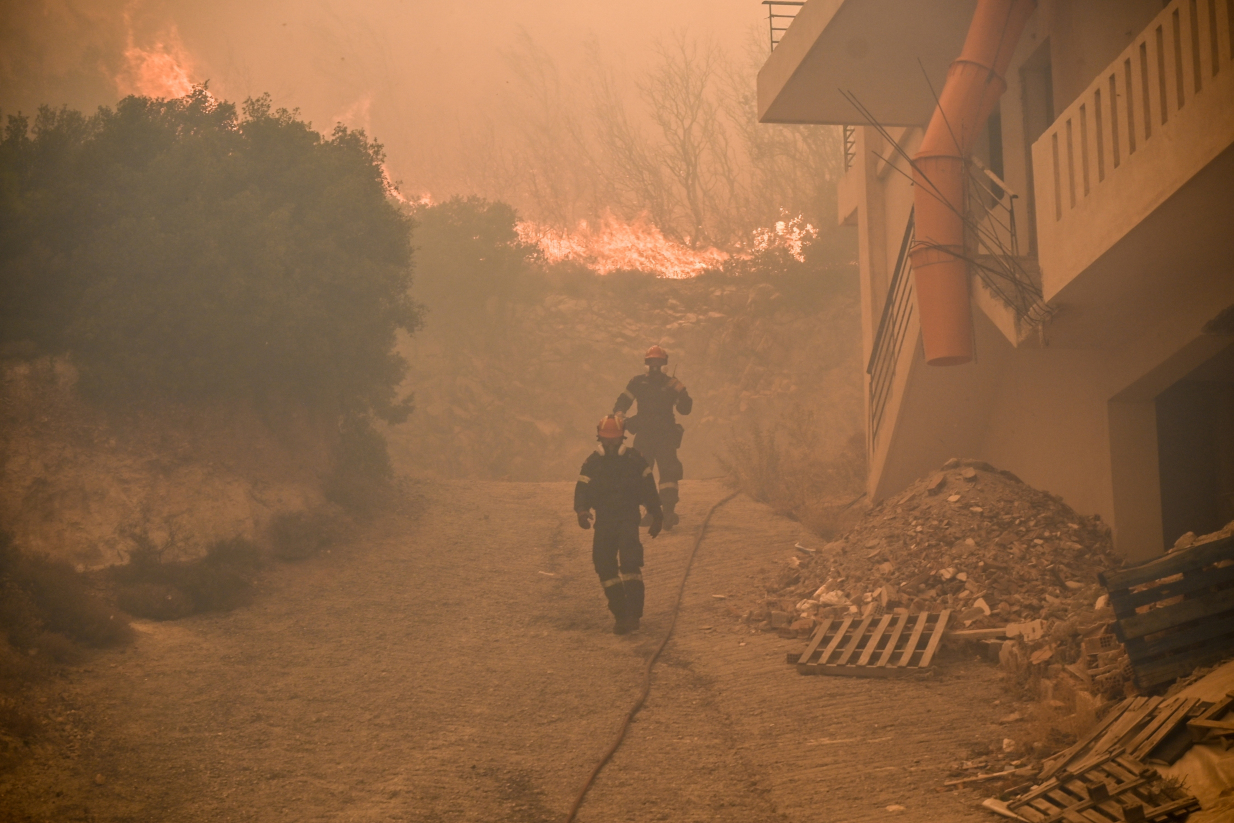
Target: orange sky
column 416, row 74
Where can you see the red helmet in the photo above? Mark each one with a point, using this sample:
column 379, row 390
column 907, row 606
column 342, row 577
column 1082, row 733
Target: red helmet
column 655, row 353
column 611, row 427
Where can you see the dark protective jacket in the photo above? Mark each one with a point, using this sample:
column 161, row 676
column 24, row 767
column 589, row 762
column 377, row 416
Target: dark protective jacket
column 657, row 395
column 615, row 485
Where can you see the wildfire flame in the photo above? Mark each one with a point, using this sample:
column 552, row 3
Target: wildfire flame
column 792, row 234
column 164, row 70
column 615, row 245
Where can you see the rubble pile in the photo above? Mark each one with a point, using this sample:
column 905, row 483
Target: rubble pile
column 968, row 538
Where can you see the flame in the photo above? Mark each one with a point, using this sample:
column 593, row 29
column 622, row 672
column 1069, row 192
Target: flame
column 164, row 70
column 792, row 234
column 359, row 115
column 391, row 187
column 616, row 244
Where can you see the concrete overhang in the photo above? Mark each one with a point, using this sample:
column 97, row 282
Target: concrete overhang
column 875, row 49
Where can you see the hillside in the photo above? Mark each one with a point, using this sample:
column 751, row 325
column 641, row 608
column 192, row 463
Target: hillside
column 515, row 393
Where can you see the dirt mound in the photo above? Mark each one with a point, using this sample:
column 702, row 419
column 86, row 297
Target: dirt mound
column 968, row 538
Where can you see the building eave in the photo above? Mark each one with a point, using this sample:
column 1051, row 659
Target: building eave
column 874, row 49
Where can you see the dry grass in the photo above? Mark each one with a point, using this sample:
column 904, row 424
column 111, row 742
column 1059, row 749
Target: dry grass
column 788, row 467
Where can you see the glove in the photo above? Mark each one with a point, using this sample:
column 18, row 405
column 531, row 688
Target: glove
column 584, row 520
column 657, row 523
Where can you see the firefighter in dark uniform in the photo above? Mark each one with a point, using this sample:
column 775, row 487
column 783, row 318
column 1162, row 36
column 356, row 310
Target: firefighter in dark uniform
column 657, row 434
column 615, row 480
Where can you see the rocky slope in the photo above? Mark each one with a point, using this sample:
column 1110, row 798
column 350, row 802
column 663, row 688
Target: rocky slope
column 77, row 483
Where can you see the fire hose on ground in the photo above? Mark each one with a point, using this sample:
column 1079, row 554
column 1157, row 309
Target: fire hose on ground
column 651, row 661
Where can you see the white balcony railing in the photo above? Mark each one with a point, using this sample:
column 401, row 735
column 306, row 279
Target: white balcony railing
column 1150, row 121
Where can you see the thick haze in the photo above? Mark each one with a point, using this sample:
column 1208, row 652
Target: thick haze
column 424, row 78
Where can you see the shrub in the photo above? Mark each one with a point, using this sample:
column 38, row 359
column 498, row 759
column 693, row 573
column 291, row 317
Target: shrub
column 301, row 535
column 788, row 468
column 359, row 481
column 220, row 581
column 178, row 247
column 154, row 601
column 47, row 603
column 68, row 607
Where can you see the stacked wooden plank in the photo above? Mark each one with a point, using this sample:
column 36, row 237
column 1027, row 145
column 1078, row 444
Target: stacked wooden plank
column 1148, row 729
column 1113, row 787
column 889, row 645
column 1175, row 613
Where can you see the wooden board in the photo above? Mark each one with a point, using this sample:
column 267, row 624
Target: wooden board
column 1113, row 787
column 886, row 648
column 1137, row 726
column 1175, row 613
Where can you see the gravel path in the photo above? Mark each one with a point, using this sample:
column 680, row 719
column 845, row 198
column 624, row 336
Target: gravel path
column 454, row 663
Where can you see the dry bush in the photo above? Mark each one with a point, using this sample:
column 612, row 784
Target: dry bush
column 300, row 535
column 154, row 601
column 360, row 481
column 47, row 606
column 789, row 467
column 220, row 581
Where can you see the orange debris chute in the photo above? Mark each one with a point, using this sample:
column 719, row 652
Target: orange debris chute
column 974, row 84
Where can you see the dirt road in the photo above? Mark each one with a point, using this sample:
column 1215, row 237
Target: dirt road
column 454, row 663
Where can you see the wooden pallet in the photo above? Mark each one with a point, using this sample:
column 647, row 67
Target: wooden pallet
column 1175, row 613
column 1213, row 724
column 1146, row 728
column 1112, row 788
column 890, row 645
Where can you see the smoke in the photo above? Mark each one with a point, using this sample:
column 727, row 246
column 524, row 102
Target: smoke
column 162, row 69
column 421, row 77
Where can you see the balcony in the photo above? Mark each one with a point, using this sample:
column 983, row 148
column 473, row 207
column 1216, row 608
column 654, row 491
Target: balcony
column 1133, row 180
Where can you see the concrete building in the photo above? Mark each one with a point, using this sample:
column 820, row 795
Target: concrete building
column 1098, row 242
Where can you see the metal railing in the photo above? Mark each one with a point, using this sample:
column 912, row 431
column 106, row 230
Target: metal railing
column 889, row 339
column 774, row 14
column 850, row 146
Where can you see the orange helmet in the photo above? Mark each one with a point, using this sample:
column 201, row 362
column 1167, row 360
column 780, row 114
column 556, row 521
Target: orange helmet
column 612, row 427
column 655, row 353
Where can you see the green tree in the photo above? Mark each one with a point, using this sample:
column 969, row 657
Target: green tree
column 179, row 248
column 471, row 264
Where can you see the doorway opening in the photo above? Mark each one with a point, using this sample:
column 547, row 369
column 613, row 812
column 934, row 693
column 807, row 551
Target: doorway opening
column 1195, row 449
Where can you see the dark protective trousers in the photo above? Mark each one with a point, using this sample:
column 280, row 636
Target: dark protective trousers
column 659, row 449
column 618, row 557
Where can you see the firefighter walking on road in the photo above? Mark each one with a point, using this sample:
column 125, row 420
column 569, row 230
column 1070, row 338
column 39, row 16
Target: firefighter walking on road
column 614, row 481
column 657, row 434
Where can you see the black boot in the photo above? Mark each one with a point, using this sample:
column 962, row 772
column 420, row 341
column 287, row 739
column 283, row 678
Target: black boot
column 615, row 592
column 668, row 499
column 633, row 584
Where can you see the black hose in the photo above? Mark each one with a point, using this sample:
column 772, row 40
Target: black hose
column 651, row 661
